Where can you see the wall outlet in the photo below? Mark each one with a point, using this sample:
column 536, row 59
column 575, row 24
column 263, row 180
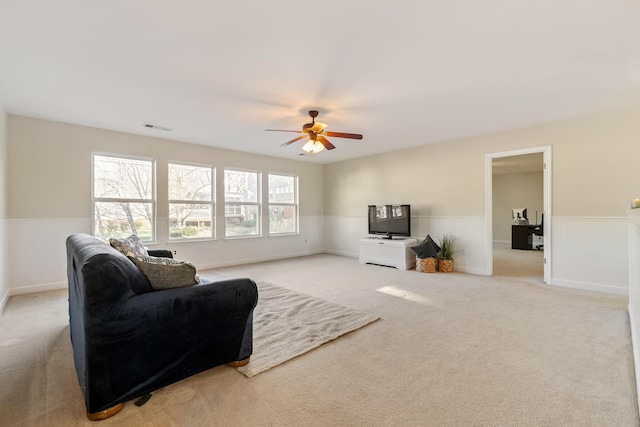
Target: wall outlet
column 175, row 252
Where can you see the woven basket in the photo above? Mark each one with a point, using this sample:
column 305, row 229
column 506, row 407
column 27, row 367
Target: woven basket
column 426, row 265
column 445, row 265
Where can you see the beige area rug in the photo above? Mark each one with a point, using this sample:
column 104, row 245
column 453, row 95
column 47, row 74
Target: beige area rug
column 287, row 324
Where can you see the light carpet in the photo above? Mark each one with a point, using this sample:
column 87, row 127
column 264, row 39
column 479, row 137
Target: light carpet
column 451, row 350
column 287, row 324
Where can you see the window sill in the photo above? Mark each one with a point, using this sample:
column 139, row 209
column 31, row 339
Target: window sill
column 201, row 239
column 242, row 237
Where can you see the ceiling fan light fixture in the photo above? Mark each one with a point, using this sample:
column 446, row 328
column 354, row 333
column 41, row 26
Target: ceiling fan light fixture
column 317, row 135
column 308, row 147
column 313, row 147
column 317, row 147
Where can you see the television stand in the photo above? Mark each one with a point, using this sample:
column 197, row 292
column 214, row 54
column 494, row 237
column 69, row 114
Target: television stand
column 390, row 252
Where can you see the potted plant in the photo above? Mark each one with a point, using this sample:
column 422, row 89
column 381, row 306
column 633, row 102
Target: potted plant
column 445, row 256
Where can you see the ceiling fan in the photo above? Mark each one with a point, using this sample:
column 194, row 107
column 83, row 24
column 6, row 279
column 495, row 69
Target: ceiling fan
column 316, row 133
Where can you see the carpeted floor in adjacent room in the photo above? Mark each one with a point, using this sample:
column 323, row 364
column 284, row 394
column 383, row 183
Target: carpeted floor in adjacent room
column 451, row 349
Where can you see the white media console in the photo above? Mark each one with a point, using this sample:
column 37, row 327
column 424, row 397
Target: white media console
column 393, row 253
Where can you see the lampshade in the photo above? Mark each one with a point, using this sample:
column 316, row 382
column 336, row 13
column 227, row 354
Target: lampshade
column 317, row 147
column 313, row 146
column 308, row 147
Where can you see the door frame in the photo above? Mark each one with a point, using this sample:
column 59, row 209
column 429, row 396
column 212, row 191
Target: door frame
column 546, row 174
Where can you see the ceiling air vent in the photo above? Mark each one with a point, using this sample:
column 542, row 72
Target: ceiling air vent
column 150, row 126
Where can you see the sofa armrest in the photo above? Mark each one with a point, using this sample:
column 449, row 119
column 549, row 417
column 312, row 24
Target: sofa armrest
column 161, row 253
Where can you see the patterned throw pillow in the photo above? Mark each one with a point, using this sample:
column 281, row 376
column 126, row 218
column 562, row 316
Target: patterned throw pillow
column 131, row 246
column 166, row 273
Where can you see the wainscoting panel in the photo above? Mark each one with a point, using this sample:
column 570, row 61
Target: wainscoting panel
column 225, row 252
column 588, row 253
column 343, row 235
column 222, row 253
column 469, row 232
column 591, row 254
column 634, row 290
column 37, row 252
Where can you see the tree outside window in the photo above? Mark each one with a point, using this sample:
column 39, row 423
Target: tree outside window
column 283, row 204
column 242, row 209
column 123, row 197
column 191, row 203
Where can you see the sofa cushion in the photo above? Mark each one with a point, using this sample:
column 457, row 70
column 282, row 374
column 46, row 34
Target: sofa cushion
column 166, row 273
column 427, row 248
column 131, row 246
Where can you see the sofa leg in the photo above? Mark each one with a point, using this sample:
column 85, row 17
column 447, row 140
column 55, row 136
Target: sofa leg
column 104, row 414
column 239, row 363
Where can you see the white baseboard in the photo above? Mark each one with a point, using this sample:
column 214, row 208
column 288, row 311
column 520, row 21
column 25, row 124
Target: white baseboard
column 470, row 270
column 342, row 253
column 37, row 288
column 253, row 260
column 593, row 287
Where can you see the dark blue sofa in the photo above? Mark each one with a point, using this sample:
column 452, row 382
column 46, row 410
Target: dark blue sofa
column 129, row 340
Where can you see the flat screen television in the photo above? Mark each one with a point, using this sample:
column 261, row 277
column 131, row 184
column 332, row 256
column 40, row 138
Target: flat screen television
column 390, row 220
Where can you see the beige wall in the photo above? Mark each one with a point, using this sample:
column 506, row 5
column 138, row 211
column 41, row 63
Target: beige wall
column 516, row 190
column 50, row 171
column 4, row 260
column 594, row 170
column 50, row 198
column 594, row 176
column 439, row 179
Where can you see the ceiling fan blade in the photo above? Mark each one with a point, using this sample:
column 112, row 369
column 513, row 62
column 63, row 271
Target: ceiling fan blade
column 283, row 130
column 344, row 135
column 293, row 140
column 324, row 141
column 318, row 127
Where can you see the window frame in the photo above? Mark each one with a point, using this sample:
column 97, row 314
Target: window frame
column 211, row 204
column 295, row 204
column 153, row 201
column 257, row 203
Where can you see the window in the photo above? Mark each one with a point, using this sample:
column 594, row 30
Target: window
column 123, row 197
column 241, row 207
column 283, row 204
column 191, row 203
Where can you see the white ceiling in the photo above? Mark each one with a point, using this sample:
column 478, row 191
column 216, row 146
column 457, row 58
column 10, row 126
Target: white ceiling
column 403, row 73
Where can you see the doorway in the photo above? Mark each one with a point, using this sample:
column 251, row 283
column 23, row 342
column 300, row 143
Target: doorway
column 539, row 215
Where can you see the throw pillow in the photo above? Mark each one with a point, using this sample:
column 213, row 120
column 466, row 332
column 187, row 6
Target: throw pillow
column 131, row 246
column 427, row 248
column 166, row 273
